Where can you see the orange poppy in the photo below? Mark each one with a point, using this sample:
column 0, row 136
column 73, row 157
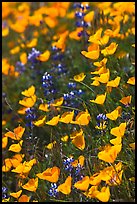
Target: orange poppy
column 126, row 100
column 119, row 131
column 16, row 147
column 82, row 184
column 110, row 50
column 40, row 121
column 114, row 83
column 28, row 102
column 4, row 142
column 54, row 121
column 65, row 188
column 44, row 107
column 29, row 92
column 57, row 102
column 24, row 198
column 131, row 81
column 80, row 77
column 80, row 161
column 67, row 117
column 31, row 185
column 79, row 142
column 82, row 118
column 44, row 57
column 110, row 153
column 100, row 99
column 50, row 174
column 16, row 134
column 93, row 52
column 23, row 58
column 17, row 194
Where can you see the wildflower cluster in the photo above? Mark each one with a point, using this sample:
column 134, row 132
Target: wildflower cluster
column 68, row 101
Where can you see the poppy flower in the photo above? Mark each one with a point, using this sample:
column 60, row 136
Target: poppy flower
column 93, row 52
column 131, row 81
column 22, row 110
column 54, row 121
column 40, row 121
column 104, row 77
column 96, row 38
column 4, row 142
column 95, row 179
column 102, row 63
column 57, row 102
column 132, row 145
column 116, row 141
column 44, row 57
column 65, row 138
column 110, row 50
column 5, row 31
column 16, row 147
column 109, row 173
column 31, row 185
column 61, row 41
column 103, row 195
column 17, row 194
column 16, row 159
column 110, row 153
column 79, row 142
column 74, row 34
column 76, row 133
column 67, row 117
column 7, row 165
column 65, row 187
column 126, row 100
column 82, row 118
column 15, row 50
column 16, row 134
column 114, row 83
column 28, row 102
column 95, row 83
column 29, row 92
column 114, row 114
column 119, row 131
column 80, row 77
column 5, row 66
column 50, row 174
column 100, row 99
column 24, row 198
column 82, row 184
column 25, row 167
column 32, row 43
column 23, row 58
column 89, row 16
column 50, row 145
column 90, row 192
column 44, row 107
column 80, row 161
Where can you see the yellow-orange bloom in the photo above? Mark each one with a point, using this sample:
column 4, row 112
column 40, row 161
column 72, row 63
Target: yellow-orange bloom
column 17, row 194
column 50, row 174
column 110, row 153
column 110, row 50
column 16, row 147
column 65, row 188
column 82, row 184
column 93, row 52
column 31, row 185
